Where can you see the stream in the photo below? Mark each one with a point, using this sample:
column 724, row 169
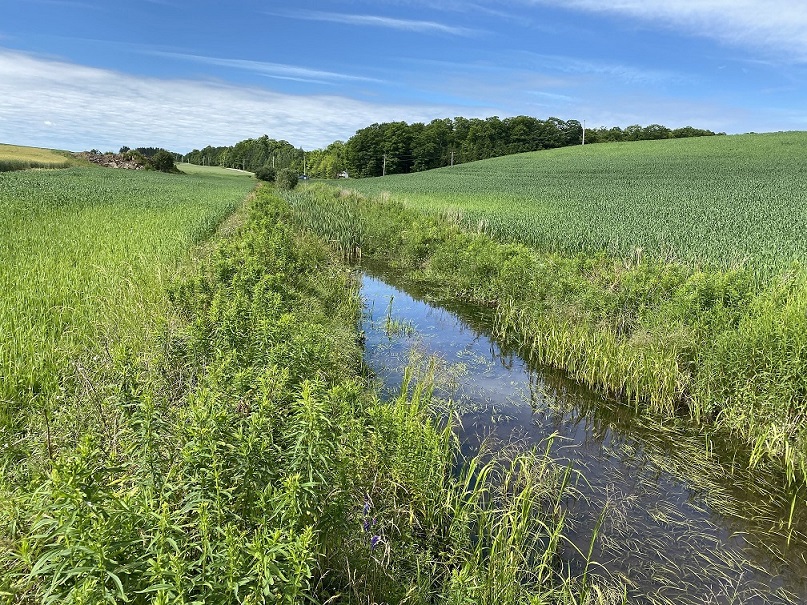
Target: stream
column 683, row 519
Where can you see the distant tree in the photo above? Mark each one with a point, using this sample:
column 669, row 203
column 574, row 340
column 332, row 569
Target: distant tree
column 522, row 134
column 149, row 151
column 655, row 131
column 632, row 133
column 550, row 133
column 397, row 147
column 572, row 133
column 124, row 149
column 607, row 135
column 163, row 161
column 364, row 152
column 689, row 131
column 286, row 178
column 430, row 145
column 266, row 173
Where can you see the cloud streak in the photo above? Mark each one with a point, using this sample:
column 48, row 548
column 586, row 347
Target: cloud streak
column 410, row 25
column 625, row 73
column 55, row 104
column 780, row 27
column 274, row 70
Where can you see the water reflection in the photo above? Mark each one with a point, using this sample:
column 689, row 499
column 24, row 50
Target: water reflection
column 683, row 520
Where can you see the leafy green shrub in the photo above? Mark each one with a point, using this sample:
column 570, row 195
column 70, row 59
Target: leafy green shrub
column 286, row 179
column 163, row 161
column 266, row 173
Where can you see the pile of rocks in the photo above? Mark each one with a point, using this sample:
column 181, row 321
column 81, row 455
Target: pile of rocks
column 112, row 160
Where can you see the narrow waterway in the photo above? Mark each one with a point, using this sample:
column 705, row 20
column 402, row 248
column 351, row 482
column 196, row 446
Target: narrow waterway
column 683, row 520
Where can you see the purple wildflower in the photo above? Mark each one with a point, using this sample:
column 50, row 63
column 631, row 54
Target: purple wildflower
column 374, row 541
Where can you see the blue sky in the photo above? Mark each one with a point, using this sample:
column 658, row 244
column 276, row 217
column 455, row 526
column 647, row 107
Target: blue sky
column 78, row 74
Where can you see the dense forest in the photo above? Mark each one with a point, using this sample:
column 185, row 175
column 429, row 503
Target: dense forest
column 398, row 147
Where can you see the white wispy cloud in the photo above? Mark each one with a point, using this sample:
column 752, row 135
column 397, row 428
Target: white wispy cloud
column 778, row 26
column 411, row 25
column 52, row 103
column 626, row 73
column 551, row 96
column 275, row 70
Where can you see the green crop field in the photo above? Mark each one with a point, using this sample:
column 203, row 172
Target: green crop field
column 213, row 171
column 86, row 252
column 724, row 201
column 14, row 157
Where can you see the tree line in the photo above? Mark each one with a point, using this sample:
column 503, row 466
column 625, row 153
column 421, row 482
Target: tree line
column 399, row 147
column 250, row 154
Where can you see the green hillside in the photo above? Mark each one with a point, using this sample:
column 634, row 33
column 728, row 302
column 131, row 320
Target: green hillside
column 15, row 157
column 723, row 201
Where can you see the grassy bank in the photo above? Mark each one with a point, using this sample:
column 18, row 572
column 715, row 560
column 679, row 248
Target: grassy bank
column 238, row 457
column 722, row 346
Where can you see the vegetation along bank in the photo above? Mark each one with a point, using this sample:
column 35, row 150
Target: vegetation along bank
column 645, row 270
column 225, row 448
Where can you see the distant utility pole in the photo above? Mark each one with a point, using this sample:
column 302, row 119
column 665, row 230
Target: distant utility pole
column 304, row 162
column 384, row 166
column 584, row 132
column 452, row 158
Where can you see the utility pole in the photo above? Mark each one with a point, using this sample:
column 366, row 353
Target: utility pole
column 452, row 158
column 384, row 166
column 304, row 162
column 584, row 132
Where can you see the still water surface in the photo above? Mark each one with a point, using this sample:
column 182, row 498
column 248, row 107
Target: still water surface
column 683, row 520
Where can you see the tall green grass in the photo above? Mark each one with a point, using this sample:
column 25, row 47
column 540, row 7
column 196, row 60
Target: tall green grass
column 86, row 257
column 721, row 202
column 13, row 164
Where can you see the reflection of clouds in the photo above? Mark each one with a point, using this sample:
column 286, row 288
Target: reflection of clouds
column 781, row 28
column 96, row 108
